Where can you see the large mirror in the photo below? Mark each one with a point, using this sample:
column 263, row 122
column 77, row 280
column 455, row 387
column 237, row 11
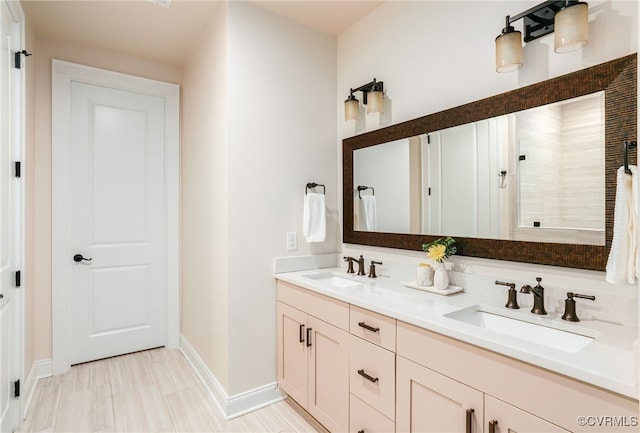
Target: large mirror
column 527, row 175
column 536, row 175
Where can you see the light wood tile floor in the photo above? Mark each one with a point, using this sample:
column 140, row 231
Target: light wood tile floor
column 151, row 391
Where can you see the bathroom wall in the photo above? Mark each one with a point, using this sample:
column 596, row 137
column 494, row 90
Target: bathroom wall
column 435, row 55
column 204, row 198
column 259, row 123
column 385, row 168
column 438, row 54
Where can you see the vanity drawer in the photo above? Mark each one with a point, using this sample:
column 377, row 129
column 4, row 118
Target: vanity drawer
column 372, row 375
column 373, row 327
column 363, row 417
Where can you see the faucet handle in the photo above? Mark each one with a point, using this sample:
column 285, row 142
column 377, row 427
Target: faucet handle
column 372, row 269
column 512, row 301
column 570, row 306
column 350, row 260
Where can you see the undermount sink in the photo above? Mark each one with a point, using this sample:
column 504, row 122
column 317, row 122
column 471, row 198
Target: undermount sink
column 560, row 336
column 334, row 280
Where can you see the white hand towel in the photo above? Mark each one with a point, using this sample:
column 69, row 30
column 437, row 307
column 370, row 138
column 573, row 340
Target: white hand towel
column 622, row 265
column 368, row 213
column 314, row 217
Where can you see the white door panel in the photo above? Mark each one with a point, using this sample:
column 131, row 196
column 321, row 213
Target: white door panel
column 117, row 190
column 10, row 218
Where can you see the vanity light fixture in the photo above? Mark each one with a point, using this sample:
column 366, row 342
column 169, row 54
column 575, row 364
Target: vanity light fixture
column 568, row 18
column 372, row 97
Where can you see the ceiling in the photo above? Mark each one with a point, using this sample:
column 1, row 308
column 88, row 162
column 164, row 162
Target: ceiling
column 166, row 35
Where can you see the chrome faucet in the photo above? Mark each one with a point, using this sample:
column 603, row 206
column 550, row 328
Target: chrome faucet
column 538, row 297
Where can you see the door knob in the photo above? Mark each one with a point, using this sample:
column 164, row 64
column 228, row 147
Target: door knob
column 78, row 258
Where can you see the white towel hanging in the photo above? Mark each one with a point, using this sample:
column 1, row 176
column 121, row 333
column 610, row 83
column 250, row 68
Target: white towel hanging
column 622, row 265
column 367, row 213
column 314, row 217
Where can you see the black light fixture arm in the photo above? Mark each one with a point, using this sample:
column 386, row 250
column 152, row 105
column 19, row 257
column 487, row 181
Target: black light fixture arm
column 538, row 20
column 366, row 88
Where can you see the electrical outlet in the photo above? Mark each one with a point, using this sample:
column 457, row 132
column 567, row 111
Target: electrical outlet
column 292, row 241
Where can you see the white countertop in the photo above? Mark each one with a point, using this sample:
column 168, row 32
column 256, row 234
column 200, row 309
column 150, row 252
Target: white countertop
column 607, row 361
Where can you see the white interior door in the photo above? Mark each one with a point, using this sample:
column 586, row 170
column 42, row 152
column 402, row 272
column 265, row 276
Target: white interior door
column 112, row 267
column 10, row 217
column 118, row 298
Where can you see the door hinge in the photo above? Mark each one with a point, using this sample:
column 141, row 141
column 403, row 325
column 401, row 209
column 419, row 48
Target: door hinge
column 18, row 167
column 17, row 278
column 18, row 60
column 16, row 389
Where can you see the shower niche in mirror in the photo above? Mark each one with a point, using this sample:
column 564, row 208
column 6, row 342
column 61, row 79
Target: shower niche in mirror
column 535, row 175
column 528, row 175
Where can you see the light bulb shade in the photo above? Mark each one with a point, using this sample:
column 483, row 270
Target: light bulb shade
column 375, row 102
column 571, row 28
column 351, row 109
column 509, row 51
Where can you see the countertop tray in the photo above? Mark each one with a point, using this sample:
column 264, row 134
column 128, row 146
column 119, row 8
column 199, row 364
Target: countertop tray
column 448, row 291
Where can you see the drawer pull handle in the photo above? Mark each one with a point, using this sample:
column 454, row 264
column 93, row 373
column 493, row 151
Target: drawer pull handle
column 308, row 337
column 301, row 337
column 492, row 426
column 361, row 431
column 469, row 420
column 366, row 376
column 367, row 327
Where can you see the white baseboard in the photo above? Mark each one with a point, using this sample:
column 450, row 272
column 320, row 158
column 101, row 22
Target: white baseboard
column 235, row 405
column 39, row 370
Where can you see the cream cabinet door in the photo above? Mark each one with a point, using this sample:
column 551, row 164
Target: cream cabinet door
column 292, row 352
column 328, row 378
column 504, row 418
column 427, row 401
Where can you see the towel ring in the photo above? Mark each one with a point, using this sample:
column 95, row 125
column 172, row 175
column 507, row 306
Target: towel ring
column 628, row 145
column 313, row 185
column 363, row 188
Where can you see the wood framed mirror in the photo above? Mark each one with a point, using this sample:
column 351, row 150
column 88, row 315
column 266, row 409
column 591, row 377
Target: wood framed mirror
column 616, row 78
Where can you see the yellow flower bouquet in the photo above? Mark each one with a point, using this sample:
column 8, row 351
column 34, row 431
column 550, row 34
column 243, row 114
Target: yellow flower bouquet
column 440, row 249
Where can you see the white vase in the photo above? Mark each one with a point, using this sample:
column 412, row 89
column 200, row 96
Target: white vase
column 440, row 276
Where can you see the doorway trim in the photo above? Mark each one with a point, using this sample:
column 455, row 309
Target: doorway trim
column 63, row 73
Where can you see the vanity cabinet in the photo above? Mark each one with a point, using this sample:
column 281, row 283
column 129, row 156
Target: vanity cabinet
column 430, row 402
column 313, row 354
column 356, row 370
column 436, row 370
